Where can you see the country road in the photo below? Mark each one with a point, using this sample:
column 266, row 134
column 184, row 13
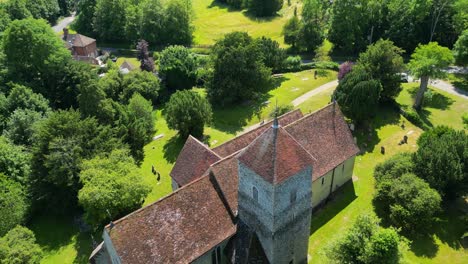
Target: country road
column 63, row 23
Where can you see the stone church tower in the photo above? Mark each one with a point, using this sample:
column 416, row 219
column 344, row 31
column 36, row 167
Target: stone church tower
column 274, row 195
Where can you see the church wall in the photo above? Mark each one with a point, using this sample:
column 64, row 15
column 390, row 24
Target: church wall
column 321, row 191
column 343, row 173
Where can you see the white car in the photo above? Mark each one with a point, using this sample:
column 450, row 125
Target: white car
column 403, row 77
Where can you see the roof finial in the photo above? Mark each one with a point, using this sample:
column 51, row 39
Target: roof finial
column 275, row 121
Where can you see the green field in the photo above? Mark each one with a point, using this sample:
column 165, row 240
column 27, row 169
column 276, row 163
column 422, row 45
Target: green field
column 214, row 19
column 442, row 246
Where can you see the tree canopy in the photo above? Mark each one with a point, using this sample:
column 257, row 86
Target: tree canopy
column 19, row 246
column 112, row 187
column 460, row 49
column 14, row 161
column 188, row 112
column 177, row 65
column 13, row 204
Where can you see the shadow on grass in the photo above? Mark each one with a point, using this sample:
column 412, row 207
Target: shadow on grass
column 220, row 5
column 366, row 133
column 173, row 147
column 335, row 204
column 438, row 100
column 246, row 13
column 84, row 247
column 461, row 82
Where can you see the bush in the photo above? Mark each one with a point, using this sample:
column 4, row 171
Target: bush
column 178, row 66
column 465, row 119
column 394, row 167
column 293, row 63
column 413, row 117
column 13, row 204
column 282, row 109
column 19, row 246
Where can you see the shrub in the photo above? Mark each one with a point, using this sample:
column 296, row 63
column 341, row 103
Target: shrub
column 293, row 63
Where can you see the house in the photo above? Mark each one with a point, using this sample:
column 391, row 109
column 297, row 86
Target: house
column 249, row 200
column 81, row 47
column 126, row 67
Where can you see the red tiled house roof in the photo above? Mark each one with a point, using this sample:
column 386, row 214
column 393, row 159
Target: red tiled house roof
column 245, row 139
column 194, row 159
column 275, row 155
column 326, row 136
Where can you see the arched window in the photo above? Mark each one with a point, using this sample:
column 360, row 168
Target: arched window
column 255, row 193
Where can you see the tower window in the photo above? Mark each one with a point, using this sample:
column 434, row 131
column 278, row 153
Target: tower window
column 255, row 193
column 293, row 196
column 323, row 180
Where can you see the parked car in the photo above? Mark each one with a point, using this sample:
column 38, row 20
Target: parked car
column 403, row 77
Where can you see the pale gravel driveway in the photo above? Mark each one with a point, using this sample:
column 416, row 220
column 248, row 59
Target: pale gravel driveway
column 449, row 88
column 322, row 88
column 63, row 23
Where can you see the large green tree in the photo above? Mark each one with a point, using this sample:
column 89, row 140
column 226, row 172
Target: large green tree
column 13, row 204
column 442, row 160
column 407, row 202
column 239, row 73
column 109, row 19
column 383, row 61
column 358, row 94
column 177, row 66
column 188, row 112
column 292, row 31
column 263, row 8
column 14, row 161
column 152, row 21
column 273, row 55
column 460, row 49
column 142, row 82
column 112, row 187
column 367, row 242
column 178, row 29
column 83, row 22
column 19, row 246
column 428, row 61
column 394, row 167
column 61, row 142
column 19, row 127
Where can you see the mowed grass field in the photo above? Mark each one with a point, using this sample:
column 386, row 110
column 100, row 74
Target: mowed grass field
column 213, row 19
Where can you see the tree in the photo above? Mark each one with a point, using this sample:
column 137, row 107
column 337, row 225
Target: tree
column 132, row 22
column 19, row 246
column 358, row 94
column 349, row 25
column 135, row 125
column 22, row 97
column 264, row 8
column 4, row 19
column 112, row 184
column 394, row 167
column 383, row 61
column 313, row 22
column 291, row 31
column 34, row 54
column 188, row 112
column 13, row 204
column 82, row 23
column 367, row 242
column 428, row 61
column 344, row 69
column 19, row 127
column 442, row 161
column 239, row 73
column 14, row 161
column 142, row 82
column 177, row 29
column 177, row 65
column 460, row 49
column 17, row 9
column 46, row 9
column 146, row 63
column 273, row 55
column 61, row 142
column 407, row 202
column 152, row 21
column 109, row 19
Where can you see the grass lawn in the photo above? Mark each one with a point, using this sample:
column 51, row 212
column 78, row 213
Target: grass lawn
column 132, row 60
column 214, row 19
column 445, row 108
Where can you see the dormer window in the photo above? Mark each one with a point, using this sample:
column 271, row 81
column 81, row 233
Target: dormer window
column 255, row 193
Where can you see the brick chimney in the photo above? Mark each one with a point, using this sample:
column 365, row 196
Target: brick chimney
column 65, row 33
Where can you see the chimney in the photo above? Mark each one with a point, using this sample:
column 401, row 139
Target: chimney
column 65, row 33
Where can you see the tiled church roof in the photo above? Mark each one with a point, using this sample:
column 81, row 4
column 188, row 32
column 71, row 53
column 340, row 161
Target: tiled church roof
column 245, row 139
column 194, row 159
column 275, row 155
column 194, row 219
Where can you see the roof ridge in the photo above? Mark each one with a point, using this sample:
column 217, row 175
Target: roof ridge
column 205, row 146
column 258, row 127
column 309, row 114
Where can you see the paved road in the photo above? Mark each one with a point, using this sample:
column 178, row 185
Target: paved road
column 63, row 23
column 449, row 88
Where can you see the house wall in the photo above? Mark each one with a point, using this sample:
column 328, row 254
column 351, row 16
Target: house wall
column 90, row 50
column 343, row 173
column 207, row 257
column 282, row 225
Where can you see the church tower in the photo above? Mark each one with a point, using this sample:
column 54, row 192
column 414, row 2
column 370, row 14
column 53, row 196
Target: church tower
column 275, row 193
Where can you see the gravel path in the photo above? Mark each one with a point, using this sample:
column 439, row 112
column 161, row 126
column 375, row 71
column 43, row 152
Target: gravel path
column 317, row 90
column 63, row 23
column 449, row 88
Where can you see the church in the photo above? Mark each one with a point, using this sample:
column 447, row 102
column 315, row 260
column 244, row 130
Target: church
column 249, row 200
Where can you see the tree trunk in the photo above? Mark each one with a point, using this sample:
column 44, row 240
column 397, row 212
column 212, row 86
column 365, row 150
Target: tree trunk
column 420, row 95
